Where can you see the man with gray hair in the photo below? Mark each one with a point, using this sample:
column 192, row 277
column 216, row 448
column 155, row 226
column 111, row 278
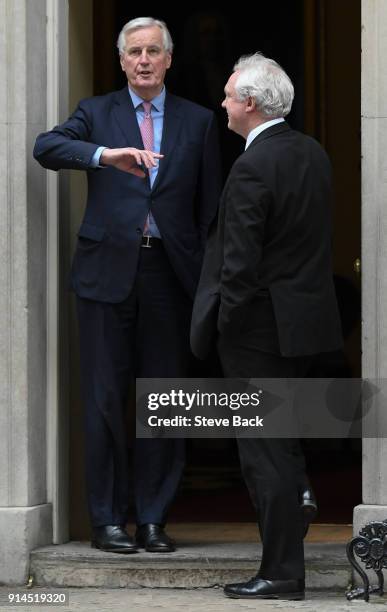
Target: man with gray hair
column 152, row 164
column 266, row 295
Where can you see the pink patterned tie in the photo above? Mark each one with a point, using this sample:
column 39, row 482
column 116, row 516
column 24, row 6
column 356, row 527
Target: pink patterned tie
column 146, row 129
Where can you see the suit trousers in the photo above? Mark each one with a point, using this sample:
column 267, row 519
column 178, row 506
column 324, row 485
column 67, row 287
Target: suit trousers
column 145, row 336
column 273, row 469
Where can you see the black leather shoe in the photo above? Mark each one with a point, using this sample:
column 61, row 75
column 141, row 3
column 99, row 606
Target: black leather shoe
column 308, row 505
column 113, row 538
column 153, row 538
column 258, row 588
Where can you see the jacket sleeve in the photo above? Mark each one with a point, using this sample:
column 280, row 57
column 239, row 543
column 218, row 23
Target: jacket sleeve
column 68, row 145
column 210, row 179
column 246, row 207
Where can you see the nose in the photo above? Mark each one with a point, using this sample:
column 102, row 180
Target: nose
column 224, row 103
column 144, row 56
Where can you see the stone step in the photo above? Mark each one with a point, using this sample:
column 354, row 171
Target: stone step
column 196, row 563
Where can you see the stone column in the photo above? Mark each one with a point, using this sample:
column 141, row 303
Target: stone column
column 374, row 245
column 25, row 514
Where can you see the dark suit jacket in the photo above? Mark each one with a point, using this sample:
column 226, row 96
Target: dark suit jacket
column 184, row 197
column 267, row 276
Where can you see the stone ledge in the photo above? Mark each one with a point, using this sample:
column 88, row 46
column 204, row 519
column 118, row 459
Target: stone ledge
column 192, row 566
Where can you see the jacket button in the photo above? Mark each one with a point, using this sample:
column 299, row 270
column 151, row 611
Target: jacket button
column 139, row 230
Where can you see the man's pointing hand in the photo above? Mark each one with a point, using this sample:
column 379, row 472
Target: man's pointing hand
column 130, row 160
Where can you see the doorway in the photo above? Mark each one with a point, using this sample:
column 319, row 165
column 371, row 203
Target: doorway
column 318, row 44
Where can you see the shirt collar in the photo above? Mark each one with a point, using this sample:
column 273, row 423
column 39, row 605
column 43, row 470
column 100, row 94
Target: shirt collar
column 158, row 102
column 260, row 128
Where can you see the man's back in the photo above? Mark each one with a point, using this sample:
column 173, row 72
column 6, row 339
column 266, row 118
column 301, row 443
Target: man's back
column 286, row 176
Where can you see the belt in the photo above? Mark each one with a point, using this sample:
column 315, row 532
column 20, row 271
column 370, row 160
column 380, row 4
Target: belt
column 149, row 242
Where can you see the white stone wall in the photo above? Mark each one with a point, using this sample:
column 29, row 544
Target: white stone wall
column 25, row 516
column 374, row 245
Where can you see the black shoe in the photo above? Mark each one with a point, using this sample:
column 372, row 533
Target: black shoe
column 153, row 538
column 113, row 538
column 308, row 505
column 258, row 588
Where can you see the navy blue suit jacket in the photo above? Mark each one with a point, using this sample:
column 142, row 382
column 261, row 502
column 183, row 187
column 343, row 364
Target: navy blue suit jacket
column 183, row 200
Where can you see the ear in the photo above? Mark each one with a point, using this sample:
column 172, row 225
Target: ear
column 122, row 62
column 251, row 104
column 169, row 60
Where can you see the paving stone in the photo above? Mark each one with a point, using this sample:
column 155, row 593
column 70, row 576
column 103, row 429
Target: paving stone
column 196, row 600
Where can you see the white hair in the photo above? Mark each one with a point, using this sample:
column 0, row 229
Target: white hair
column 264, row 80
column 144, row 22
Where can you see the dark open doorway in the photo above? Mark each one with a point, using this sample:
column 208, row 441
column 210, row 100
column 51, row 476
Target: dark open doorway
column 318, row 44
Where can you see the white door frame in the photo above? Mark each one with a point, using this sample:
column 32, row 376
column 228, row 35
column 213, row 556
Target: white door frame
column 57, row 407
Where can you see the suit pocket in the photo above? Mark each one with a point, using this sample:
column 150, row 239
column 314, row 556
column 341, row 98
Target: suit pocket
column 92, row 232
column 90, row 236
column 90, row 255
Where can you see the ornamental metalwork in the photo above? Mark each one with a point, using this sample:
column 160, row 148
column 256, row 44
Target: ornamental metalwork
column 370, row 546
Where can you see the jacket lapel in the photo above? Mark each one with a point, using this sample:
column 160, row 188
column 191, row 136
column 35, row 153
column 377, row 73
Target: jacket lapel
column 125, row 115
column 171, row 127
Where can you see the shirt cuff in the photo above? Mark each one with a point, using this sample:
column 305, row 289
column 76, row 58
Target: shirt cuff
column 96, row 158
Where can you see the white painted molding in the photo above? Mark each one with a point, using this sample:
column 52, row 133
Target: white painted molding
column 374, row 235
column 57, row 109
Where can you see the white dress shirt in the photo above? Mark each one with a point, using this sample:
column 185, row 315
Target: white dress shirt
column 254, row 133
